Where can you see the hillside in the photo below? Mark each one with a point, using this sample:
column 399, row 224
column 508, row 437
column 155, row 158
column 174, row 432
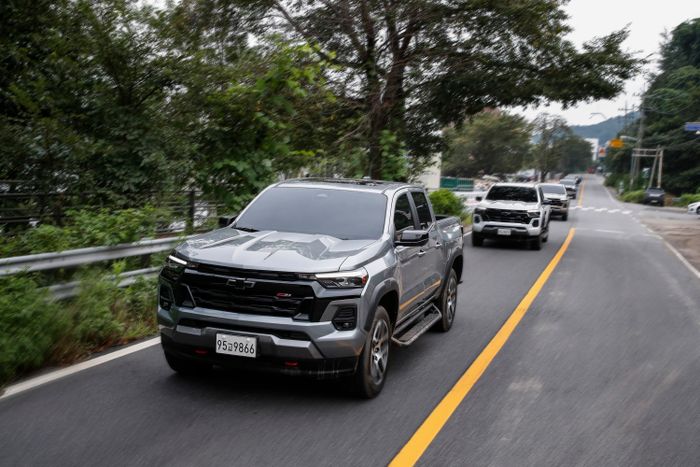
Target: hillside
column 604, row 130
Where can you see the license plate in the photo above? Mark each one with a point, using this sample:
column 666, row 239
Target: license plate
column 504, row 232
column 242, row 346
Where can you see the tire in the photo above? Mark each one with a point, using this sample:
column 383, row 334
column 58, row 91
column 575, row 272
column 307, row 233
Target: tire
column 536, row 243
column 447, row 303
column 565, row 216
column 185, row 367
column 697, row 211
column 477, row 240
column 545, row 236
column 372, row 367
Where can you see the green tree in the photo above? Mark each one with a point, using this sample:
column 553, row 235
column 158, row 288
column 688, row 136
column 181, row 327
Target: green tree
column 491, row 142
column 672, row 99
column 417, row 65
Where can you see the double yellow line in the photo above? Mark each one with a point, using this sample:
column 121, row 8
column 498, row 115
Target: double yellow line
column 426, row 433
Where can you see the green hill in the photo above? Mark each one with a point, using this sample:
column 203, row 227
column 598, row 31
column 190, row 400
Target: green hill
column 605, row 130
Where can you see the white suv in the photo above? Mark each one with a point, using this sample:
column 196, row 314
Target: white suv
column 517, row 211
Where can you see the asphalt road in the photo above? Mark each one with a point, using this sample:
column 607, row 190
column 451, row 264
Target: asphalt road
column 604, row 369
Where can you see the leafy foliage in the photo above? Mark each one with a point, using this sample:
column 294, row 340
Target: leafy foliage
column 636, row 196
column 29, row 326
column 492, row 142
column 446, row 202
column 672, row 99
column 86, row 228
column 34, row 330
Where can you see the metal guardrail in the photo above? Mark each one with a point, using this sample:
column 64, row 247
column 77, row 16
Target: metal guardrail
column 70, row 289
column 83, row 256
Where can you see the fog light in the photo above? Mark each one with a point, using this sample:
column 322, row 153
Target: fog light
column 536, row 223
column 345, row 318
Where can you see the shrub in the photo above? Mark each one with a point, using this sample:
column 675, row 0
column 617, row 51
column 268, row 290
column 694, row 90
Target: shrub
column 633, row 196
column 446, row 202
column 686, row 199
column 30, row 325
column 94, row 319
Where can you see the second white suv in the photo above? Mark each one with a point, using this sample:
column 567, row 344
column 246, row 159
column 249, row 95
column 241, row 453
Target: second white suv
column 517, row 211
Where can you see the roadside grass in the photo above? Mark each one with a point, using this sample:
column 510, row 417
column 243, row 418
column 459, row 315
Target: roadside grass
column 36, row 331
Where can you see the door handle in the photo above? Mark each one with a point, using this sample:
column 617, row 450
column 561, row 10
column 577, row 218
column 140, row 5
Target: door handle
column 421, row 252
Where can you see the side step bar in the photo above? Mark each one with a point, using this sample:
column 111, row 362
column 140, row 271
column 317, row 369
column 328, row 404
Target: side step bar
column 407, row 336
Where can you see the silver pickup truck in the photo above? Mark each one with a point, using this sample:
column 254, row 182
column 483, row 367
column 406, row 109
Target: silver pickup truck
column 315, row 277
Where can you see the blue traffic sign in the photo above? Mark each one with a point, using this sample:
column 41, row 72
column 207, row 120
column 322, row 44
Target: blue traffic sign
column 692, row 126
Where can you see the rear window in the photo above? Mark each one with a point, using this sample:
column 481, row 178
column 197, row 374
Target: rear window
column 512, row 193
column 344, row 214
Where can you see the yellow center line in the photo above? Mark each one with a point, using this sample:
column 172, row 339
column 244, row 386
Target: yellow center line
column 580, row 196
column 429, row 429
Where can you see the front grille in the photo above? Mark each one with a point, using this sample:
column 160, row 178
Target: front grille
column 504, row 215
column 556, row 202
column 242, row 294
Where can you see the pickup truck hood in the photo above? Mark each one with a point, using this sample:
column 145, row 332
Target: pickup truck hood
column 511, row 205
column 271, row 250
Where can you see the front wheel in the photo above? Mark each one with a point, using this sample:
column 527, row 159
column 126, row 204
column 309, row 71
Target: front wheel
column 565, row 216
column 371, row 369
column 477, row 240
column 536, row 243
column 448, row 303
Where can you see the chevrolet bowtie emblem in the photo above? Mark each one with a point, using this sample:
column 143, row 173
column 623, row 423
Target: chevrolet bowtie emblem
column 240, row 284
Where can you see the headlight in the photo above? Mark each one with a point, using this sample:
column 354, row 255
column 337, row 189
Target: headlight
column 343, row 280
column 533, row 214
column 174, row 262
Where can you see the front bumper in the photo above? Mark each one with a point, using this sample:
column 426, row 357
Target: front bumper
column 284, row 345
column 490, row 229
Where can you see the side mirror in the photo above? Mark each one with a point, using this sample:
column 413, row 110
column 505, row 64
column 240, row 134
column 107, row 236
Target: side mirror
column 479, row 198
column 413, row 238
column 226, row 220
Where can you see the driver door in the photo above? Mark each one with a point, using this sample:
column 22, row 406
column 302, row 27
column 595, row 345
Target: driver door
column 408, row 257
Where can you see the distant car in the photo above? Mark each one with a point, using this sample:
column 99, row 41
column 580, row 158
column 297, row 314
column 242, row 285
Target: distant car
column 571, row 187
column 654, row 196
column 557, row 195
column 694, row 208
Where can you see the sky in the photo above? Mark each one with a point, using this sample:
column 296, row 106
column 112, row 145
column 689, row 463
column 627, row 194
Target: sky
column 647, row 20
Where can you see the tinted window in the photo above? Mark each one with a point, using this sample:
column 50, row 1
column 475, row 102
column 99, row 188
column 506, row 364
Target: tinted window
column 423, row 209
column 339, row 213
column 512, row 193
column 403, row 217
column 556, row 189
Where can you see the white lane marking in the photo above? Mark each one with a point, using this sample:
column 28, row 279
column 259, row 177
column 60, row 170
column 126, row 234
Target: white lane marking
column 467, row 234
column 574, row 207
column 610, row 231
column 601, row 209
column 63, row 372
column 687, row 264
column 626, row 211
column 587, row 208
column 612, row 211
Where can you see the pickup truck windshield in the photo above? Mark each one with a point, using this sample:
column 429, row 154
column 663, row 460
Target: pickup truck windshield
column 554, row 189
column 512, row 193
column 344, row 214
